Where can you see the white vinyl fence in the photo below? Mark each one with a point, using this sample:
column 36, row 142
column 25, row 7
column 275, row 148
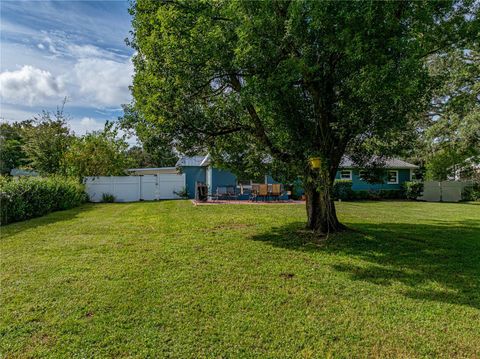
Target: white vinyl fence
column 446, row 191
column 135, row 188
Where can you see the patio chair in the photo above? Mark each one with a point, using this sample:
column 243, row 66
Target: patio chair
column 263, row 191
column 201, row 193
column 231, row 192
column 221, row 192
column 254, row 192
column 276, row 191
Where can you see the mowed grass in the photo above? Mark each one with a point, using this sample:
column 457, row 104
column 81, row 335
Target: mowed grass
column 167, row 279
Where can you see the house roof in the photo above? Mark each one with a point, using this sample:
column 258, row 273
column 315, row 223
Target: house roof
column 195, row 161
column 151, row 169
column 387, row 163
column 201, row 161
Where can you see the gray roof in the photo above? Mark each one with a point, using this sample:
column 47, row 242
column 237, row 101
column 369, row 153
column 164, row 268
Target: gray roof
column 394, row 163
column 387, row 163
column 195, row 161
column 150, row 169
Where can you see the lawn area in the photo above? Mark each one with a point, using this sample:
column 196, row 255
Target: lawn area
column 167, row 279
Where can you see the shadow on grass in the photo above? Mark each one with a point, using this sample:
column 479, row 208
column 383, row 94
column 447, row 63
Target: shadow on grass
column 435, row 262
column 50, row 218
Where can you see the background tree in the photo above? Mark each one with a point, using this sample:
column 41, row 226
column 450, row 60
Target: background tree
column 46, row 140
column 100, row 153
column 451, row 134
column 11, row 151
column 156, row 149
column 282, row 81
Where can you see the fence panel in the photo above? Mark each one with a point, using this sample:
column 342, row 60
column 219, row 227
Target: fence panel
column 170, row 184
column 431, row 191
column 149, row 190
column 135, row 188
column 446, row 191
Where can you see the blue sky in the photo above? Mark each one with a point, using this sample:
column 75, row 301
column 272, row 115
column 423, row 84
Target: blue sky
column 55, row 49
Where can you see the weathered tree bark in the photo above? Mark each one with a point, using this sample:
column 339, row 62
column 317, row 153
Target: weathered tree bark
column 321, row 213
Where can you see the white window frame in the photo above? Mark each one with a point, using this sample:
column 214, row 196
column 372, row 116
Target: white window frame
column 349, row 175
column 388, row 177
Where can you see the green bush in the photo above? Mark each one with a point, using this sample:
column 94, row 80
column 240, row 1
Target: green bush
column 391, row 194
column 471, row 193
column 108, row 198
column 363, row 195
column 377, row 195
column 34, row 197
column 413, row 190
column 342, row 189
column 183, row 193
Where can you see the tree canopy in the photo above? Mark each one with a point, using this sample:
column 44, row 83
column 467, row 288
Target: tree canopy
column 11, row 147
column 46, row 140
column 279, row 82
column 99, row 153
column 451, row 136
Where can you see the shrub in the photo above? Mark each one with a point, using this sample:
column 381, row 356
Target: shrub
column 363, row 195
column 471, row 193
column 377, row 195
column 342, row 189
column 34, row 197
column 183, row 193
column 108, row 198
column 413, row 190
column 390, row 194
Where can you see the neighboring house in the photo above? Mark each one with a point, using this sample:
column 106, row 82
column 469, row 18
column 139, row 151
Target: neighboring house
column 199, row 169
column 468, row 170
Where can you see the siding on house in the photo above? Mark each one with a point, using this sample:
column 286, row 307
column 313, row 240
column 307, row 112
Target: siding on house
column 221, row 178
column 194, row 174
column 359, row 185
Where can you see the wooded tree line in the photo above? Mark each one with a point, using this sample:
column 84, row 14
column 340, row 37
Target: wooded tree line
column 46, row 145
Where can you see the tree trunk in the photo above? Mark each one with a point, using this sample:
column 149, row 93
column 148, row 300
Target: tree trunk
column 321, row 213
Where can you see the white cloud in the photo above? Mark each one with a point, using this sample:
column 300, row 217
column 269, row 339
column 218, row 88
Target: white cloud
column 86, row 124
column 41, row 46
column 29, row 85
column 104, row 82
column 91, row 51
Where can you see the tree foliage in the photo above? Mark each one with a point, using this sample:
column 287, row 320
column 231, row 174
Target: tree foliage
column 287, row 80
column 451, row 137
column 11, row 147
column 156, row 149
column 46, row 140
column 99, row 153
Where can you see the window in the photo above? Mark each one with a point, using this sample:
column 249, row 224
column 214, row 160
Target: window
column 392, row 177
column 346, row 175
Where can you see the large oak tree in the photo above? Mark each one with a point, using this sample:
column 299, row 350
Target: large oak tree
column 282, row 81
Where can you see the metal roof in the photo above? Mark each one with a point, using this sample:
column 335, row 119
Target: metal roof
column 195, row 161
column 387, row 163
column 150, row 169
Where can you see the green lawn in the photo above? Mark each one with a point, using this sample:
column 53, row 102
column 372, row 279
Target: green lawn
column 167, row 279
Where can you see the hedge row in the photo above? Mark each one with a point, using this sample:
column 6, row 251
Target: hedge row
column 34, row 197
column 342, row 189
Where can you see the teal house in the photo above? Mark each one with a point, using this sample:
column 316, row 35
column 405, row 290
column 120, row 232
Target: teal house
column 198, row 169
